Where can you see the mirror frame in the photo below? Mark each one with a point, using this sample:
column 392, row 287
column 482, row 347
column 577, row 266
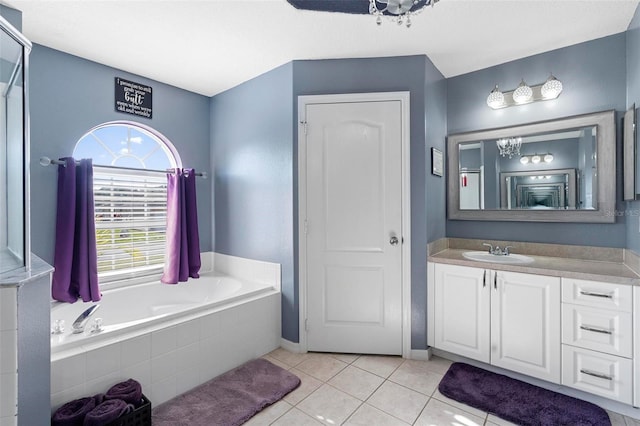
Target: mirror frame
column 606, row 171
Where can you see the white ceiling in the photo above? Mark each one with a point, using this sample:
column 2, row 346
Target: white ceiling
column 208, row 46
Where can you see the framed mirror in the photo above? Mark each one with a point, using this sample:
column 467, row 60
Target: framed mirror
column 552, row 171
column 631, row 175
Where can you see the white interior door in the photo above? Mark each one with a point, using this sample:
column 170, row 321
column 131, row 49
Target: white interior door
column 353, row 227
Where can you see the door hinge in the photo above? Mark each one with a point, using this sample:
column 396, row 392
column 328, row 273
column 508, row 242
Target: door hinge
column 304, row 123
column 306, row 324
column 306, row 228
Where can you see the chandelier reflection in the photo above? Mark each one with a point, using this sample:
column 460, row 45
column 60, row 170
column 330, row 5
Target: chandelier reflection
column 509, row 147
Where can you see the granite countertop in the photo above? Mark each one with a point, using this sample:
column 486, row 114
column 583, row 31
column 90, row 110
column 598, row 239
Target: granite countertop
column 608, row 271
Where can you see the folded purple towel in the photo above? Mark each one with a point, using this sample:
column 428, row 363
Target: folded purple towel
column 107, row 412
column 129, row 391
column 73, row 412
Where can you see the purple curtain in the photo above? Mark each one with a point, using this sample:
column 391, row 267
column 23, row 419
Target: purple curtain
column 75, row 259
column 182, row 258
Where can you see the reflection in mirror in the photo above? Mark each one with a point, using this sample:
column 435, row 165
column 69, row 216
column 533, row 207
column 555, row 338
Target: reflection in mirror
column 553, row 171
column 555, row 189
column 494, row 175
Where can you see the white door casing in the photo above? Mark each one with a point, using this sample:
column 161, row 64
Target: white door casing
column 353, row 202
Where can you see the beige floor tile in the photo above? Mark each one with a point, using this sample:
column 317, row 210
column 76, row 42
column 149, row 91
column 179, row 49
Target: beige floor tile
column 348, row 358
column 295, row 417
column 367, row 415
column 269, row 414
column 382, row 366
column 441, row 414
column 631, row 422
column 434, row 365
column 329, row 405
column 276, row 362
column 356, row 382
column 321, row 367
column 495, row 420
column 416, row 378
column 289, row 358
column 307, row 386
column 398, row 401
column 469, row 409
column 616, row 419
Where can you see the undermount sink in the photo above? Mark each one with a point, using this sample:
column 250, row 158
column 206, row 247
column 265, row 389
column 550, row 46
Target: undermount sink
column 483, row 256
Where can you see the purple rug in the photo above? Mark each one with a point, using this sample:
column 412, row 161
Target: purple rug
column 230, row 399
column 516, row 401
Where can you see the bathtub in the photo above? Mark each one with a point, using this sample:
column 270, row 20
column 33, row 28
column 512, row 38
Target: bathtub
column 171, row 338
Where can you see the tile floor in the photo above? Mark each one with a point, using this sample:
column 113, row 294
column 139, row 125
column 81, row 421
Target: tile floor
column 339, row 389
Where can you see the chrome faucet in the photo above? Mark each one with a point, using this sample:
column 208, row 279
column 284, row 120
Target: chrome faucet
column 81, row 321
column 497, row 250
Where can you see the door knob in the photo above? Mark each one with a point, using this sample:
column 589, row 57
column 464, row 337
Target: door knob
column 393, row 241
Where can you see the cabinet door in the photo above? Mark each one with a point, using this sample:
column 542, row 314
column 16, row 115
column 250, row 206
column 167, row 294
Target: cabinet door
column 525, row 324
column 462, row 311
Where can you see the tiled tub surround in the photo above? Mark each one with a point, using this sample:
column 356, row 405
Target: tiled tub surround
column 8, row 355
column 175, row 355
column 24, row 349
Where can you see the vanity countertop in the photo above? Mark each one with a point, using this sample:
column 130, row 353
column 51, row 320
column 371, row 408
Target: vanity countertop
column 607, row 271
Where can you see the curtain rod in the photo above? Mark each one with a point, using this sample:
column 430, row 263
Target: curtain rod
column 46, row 161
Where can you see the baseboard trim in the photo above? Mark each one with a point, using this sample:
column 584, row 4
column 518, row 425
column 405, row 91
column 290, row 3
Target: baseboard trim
column 290, row 346
column 420, row 354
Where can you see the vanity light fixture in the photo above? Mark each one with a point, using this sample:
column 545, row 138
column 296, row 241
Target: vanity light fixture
column 536, row 158
column 525, row 94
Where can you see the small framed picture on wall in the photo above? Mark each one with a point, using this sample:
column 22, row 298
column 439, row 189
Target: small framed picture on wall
column 437, row 162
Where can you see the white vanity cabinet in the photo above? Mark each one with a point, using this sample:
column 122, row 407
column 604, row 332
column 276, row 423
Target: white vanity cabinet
column 597, row 338
column 508, row 319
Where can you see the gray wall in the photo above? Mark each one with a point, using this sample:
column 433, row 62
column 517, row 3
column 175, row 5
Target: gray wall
column 256, row 191
column 69, row 96
column 252, row 154
column 594, row 79
column 633, row 96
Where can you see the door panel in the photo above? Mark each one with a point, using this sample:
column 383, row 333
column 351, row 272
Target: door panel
column 354, row 207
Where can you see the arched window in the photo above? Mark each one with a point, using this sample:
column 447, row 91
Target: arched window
column 130, row 194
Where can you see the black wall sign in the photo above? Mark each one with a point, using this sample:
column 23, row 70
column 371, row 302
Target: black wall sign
column 133, row 98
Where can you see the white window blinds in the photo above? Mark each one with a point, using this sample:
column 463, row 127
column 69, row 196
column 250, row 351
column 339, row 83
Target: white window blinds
column 130, row 218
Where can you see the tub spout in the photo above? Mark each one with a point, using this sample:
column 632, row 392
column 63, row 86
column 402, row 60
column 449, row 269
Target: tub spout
column 81, row 321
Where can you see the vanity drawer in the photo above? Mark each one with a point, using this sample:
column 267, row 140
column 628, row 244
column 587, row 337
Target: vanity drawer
column 601, row 374
column 597, row 294
column 602, row 330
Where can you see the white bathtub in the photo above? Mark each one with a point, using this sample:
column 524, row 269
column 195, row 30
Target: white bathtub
column 171, row 338
column 128, row 310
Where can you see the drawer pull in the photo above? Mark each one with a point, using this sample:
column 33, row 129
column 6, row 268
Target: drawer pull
column 594, row 374
column 590, row 293
column 596, row 330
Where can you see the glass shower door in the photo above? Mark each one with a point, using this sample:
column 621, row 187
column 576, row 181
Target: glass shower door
column 13, row 250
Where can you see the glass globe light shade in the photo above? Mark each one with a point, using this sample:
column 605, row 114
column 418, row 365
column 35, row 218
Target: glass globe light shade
column 547, row 177
column 548, row 158
column 534, row 177
column 523, row 93
column 535, row 159
column 495, row 99
column 524, row 159
column 552, row 88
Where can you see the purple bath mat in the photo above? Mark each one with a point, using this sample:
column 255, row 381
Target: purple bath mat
column 230, row 399
column 516, row 401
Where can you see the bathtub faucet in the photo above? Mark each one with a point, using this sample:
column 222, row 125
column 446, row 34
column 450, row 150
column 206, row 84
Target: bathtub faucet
column 81, row 321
